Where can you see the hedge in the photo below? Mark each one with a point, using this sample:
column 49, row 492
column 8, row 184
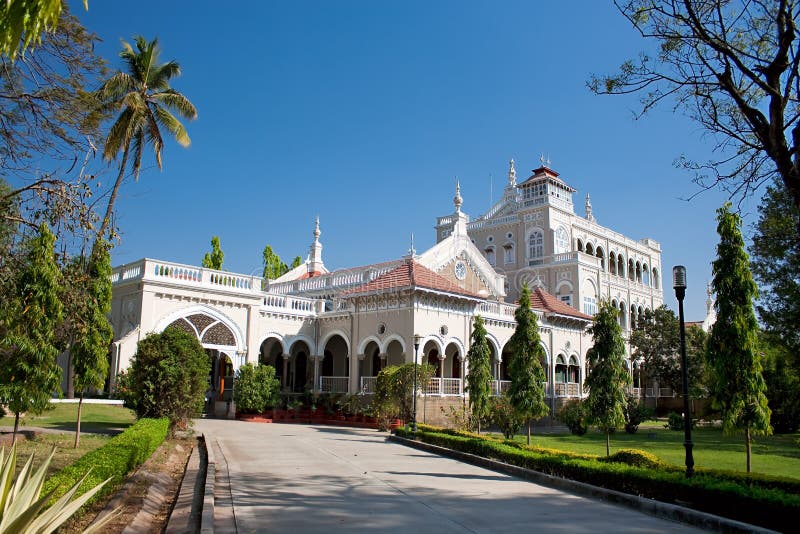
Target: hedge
column 122, row 454
column 773, row 502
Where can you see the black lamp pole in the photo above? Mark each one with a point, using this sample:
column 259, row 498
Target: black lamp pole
column 679, row 283
column 416, row 350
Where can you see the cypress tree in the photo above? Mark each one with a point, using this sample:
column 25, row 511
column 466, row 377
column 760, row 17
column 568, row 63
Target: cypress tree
column 30, row 373
column 608, row 374
column 526, row 392
column 93, row 332
column 479, row 377
column 734, row 361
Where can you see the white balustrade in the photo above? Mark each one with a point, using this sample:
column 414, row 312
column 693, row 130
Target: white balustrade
column 368, row 384
column 500, row 386
column 334, row 384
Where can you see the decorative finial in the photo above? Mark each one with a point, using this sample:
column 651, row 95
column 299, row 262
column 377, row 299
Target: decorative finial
column 512, row 173
column 316, row 229
column 457, row 200
column 547, row 164
column 411, row 251
column 589, row 215
column 541, row 159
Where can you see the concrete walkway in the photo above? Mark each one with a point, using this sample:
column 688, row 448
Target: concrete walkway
column 286, row 478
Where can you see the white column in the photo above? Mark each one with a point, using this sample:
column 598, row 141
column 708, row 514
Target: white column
column 317, row 386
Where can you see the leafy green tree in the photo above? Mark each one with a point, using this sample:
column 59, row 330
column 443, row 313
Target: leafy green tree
column 479, row 377
column 783, row 384
column 22, row 23
column 733, row 67
column 504, row 416
column 256, row 388
column 655, row 343
column 608, row 376
column 526, row 392
column 214, row 259
column 93, row 332
column 297, row 262
column 394, row 389
column 273, row 266
column 146, row 103
column 734, row 361
column 168, row 377
column 775, row 261
column 574, row 415
column 29, row 372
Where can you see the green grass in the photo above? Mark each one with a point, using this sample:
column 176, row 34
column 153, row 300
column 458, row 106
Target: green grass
column 41, row 445
column 773, row 455
column 94, row 418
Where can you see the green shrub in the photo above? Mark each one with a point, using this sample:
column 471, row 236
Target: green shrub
column 504, row 416
column 634, row 457
column 773, row 502
column 675, row 421
column 394, row 389
column 168, row 377
column 636, row 413
column 256, row 388
column 122, row 454
column 574, row 415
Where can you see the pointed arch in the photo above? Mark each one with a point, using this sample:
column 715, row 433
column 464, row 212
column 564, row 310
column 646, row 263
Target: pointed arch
column 339, row 333
column 215, row 316
column 362, row 345
column 394, row 337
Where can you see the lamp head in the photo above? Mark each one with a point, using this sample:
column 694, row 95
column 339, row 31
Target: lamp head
column 679, row 277
column 417, row 338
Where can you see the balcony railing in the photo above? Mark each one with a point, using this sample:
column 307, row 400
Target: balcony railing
column 443, row 386
column 568, row 389
column 334, row 384
column 500, row 386
column 368, row 384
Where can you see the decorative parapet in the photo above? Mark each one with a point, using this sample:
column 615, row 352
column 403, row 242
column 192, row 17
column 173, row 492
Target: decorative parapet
column 186, row 275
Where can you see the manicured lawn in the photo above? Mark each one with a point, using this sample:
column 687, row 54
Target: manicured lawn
column 774, row 455
column 94, row 418
column 42, row 444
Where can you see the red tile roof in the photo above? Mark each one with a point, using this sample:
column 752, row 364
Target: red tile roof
column 542, row 300
column 410, row 274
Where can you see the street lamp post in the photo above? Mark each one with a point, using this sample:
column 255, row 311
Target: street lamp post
column 416, row 350
column 679, row 283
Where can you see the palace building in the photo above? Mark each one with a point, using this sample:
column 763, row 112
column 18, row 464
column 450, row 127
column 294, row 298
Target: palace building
column 333, row 330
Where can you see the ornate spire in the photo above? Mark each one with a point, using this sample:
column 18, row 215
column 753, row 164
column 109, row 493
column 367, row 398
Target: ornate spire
column 411, row 251
column 315, row 265
column 512, row 173
column 589, row 215
column 457, row 200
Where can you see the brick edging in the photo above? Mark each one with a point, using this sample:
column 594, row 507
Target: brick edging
column 652, row 507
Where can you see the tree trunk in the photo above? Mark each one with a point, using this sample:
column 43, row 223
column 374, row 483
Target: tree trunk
column 114, row 191
column 608, row 443
column 78, row 425
column 747, row 445
column 529, row 431
column 16, row 428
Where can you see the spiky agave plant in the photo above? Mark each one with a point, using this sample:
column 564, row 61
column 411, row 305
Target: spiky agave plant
column 22, row 507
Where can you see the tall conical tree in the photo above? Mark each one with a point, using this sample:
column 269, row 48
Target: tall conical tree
column 608, row 375
column 215, row 258
column 93, row 334
column 737, row 386
column 479, row 377
column 30, row 373
column 526, row 392
column 147, row 103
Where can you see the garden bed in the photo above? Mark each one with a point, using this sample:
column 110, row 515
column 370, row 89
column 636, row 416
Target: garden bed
column 313, row 417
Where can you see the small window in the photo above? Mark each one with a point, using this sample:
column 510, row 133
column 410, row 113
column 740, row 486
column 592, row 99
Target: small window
column 509, row 235
column 562, row 240
column 490, row 238
column 566, row 299
column 508, row 253
column 536, row 244
column 589, row 305
column 490, row 256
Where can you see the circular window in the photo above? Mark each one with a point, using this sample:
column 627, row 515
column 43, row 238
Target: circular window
column 490, row 238
column 460, row 270
column 443, row 330
column 509, row 235
column 381, row 329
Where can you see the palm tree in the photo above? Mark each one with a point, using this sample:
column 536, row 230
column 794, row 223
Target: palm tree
column 147, row 103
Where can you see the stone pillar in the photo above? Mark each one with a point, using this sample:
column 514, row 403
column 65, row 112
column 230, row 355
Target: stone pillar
column 355, row 384
column 285, row 375
column 462, row 374
column 317, row 386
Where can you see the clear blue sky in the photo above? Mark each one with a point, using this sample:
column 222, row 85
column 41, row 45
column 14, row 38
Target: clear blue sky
column 363, row 112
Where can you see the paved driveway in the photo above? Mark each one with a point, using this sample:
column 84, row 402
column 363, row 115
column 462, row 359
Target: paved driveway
column 296, row 478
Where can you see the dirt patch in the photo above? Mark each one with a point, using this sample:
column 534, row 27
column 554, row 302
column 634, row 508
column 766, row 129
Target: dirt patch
column 7, row 437
column 160, row 476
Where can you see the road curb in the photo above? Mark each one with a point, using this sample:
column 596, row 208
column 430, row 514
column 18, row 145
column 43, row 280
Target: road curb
column 652, row 507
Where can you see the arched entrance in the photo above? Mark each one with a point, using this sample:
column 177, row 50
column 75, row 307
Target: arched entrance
column 270, row 353
column 299, row 374
column 335, row 372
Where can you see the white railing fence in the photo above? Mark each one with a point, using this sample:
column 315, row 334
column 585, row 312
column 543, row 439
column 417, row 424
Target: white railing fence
column 334, row 384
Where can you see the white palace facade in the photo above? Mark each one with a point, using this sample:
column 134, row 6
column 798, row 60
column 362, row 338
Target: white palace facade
column 332, row 331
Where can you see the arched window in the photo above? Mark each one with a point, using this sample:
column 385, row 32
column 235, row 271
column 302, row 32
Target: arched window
column 622, row 322
column 508, row 253
column 590, row 249
column 612, row 263
column 536, row 244
column 599, row 253
column 562, row 240
column 580, row 245
column 655, row 278
column 645, row 275
column 490, row 257
column 620, row 266
column 631, row 270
